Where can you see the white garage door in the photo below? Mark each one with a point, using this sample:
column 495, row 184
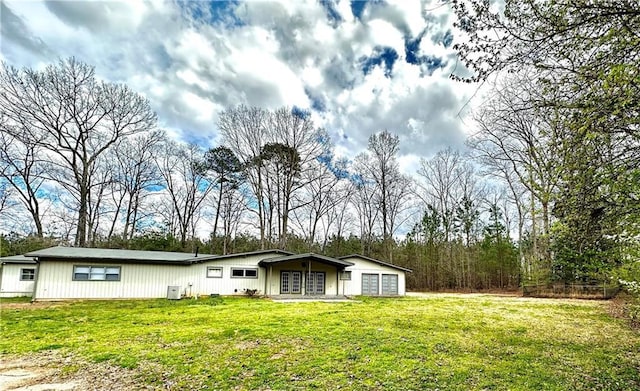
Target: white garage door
column 389, row 284
column 370, row 284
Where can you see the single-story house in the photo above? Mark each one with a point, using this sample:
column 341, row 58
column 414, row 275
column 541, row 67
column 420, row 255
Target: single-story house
column 90, row 273
column 17, row 276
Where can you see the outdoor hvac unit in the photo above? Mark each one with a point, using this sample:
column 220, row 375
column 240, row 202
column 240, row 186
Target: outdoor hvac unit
column 173, row 293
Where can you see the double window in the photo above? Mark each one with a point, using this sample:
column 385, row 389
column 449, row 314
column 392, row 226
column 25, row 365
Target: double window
column 96, row 273
column 238, row 272
column 27, row 274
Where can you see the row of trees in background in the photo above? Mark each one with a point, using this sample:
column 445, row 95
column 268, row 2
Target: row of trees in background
column 548, row 191
column 562, row 125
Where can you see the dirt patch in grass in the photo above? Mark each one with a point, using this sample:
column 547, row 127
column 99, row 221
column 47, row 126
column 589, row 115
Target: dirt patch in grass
column 53, row 371
column 31, row 305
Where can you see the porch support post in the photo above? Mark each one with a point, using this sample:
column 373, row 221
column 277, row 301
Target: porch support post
column 308, row 278
column 270, row 279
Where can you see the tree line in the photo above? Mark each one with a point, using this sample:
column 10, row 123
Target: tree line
column 85, row 160
column 547, row 192
column 562, row 125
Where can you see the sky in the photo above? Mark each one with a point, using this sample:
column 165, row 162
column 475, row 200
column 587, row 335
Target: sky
column 358, row 66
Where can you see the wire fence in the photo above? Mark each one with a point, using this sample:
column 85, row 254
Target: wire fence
column 576, row 291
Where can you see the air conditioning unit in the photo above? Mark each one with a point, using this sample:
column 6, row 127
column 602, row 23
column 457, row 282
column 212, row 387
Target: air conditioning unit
column 173, row 292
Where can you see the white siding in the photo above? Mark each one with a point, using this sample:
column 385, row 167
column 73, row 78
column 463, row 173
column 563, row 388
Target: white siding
column 364, row 266
column 55, row 280
column 228, row 285
column 10, row 284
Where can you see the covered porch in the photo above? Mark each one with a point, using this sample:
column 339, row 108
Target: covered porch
column 304, row 275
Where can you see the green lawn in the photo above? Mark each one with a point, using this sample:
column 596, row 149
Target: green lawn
column 444, row 342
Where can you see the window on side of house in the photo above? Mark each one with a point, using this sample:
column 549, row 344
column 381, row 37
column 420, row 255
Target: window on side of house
column 345, row 275
column 96, row 273
column 214, row 271
column 27, row 274
column 239, row 272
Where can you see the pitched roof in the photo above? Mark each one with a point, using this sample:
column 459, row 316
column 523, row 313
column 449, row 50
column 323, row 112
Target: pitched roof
column 17, row 259
column 312, row 256
column 257, row 252
column 130, row 256
column 377, row 261
column 138, row 256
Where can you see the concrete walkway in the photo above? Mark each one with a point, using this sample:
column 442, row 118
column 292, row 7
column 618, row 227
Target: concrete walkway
column 23, row 375
column 306, row 299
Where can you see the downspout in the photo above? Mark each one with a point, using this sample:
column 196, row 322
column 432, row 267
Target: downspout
column 35, row 283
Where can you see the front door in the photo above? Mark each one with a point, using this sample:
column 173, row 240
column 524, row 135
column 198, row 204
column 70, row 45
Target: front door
column 315, row 283
column 290, row 282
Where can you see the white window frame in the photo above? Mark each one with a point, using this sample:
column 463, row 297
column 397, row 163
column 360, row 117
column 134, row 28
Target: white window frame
column 211, row 269
column 93, row 273
column 345, row 275
column 244, row 272
column 31, row 274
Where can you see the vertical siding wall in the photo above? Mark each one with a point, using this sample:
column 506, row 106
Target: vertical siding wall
column 11, row 286
column 363, row 266
column 55, row 280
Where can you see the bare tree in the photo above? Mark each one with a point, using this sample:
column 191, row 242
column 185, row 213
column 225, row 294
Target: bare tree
column 228, row 176
column 380, row 191
column 245, row 131
column 5, row 197
column 383, row 148
column 340, row 219
column 276, row 148
column 97, row 200
column 297, row 145
column 184, row 172
column 22, row 168
column 364, row 202
column 519, row 141
column 135, row 174
column 65, row 110
column 232, row 210
column 442, row 176
column 321, row 195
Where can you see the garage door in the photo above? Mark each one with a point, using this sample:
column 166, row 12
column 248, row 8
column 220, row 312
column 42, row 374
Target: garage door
column 370, row 284
column 389, row 284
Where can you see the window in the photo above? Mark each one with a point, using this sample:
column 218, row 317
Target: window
column 345, row 275
column 244, row 272
column 214, row 272
column 96, row 273
column 27, row 274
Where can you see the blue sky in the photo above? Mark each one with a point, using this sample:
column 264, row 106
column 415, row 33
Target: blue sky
column 359, row 67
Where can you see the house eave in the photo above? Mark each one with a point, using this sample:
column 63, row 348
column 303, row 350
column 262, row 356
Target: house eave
column 307, row 256
column 377, row 261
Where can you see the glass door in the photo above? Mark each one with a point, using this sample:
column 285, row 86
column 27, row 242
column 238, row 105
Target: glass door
column 290, row 282
column 315, row 283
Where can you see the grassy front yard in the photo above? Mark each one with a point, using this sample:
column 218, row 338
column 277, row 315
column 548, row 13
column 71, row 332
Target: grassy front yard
column 446, row 342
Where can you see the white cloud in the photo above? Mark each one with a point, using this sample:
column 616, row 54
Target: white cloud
column 384, row 33
column 272, row 54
